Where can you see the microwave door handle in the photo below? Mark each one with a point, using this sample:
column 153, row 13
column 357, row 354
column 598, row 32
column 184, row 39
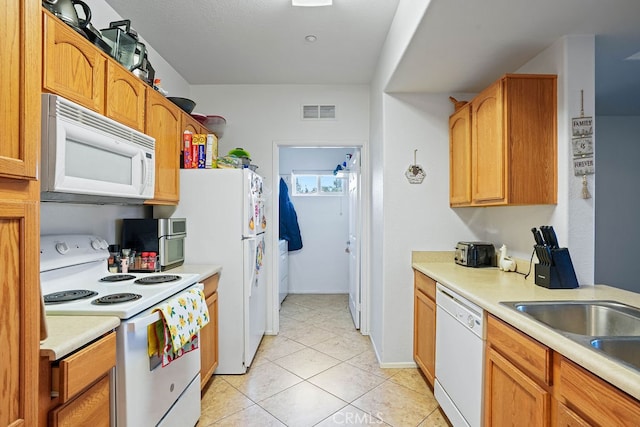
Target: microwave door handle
column 144, row 174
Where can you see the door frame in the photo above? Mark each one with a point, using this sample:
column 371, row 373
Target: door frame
column 273, row 319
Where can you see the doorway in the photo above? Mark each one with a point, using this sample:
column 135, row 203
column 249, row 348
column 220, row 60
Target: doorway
column 325, row 183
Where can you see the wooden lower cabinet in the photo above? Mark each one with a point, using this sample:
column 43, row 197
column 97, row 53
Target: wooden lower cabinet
column 91, row 408
column 517, row 384
column 76, row 390
column 589, row 399
column 511, row 397
column 565, row 417
column 528, row 384
column 424, row 325
column 209, row 334
column 19, row 307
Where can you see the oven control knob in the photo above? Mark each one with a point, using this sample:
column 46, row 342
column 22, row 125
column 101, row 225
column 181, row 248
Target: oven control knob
column 470, row 321
column 62, row 248
column 95, row 244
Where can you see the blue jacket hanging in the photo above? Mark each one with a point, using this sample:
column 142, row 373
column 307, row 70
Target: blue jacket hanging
column 289, row 228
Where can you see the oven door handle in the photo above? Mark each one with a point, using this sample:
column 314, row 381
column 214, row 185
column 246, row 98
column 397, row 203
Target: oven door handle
column 143, row 322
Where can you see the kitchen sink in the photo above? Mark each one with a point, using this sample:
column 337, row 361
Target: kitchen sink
column 589, row 318
column 625, row 349
column 608, row 327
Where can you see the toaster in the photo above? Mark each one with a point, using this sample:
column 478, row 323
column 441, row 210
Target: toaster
column 475, row 254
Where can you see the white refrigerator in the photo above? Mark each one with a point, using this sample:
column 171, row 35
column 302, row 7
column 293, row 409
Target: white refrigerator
column 226, row 226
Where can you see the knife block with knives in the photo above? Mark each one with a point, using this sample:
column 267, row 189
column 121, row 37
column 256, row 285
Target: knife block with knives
column 555, row 269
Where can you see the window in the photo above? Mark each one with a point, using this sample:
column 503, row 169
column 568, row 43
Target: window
column 316, row 184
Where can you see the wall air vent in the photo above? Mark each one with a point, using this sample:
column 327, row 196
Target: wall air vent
column 318, row 112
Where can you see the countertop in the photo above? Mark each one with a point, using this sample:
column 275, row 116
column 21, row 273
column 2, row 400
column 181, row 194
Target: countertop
column 204, row 270
column 69, row 333
column 487, row 287
column 66, row 334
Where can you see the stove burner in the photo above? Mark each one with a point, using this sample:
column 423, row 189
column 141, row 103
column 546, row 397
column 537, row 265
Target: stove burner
column 163, row 278
column 115, row 299
column 117, row 278
column 68, row 296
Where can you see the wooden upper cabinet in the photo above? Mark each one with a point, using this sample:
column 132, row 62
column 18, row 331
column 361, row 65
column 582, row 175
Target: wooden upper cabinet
column 164, row 123
column 125, row 96
column 460, row 156
column 513, row 143
column 488, row 166
column 192, row 125
column 72, row 66
column 20, row 88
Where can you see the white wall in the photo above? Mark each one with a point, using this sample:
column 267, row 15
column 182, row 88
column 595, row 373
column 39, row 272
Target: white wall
column 618, row 201
column 261, row 118
column 419, row 218
column 321, row 266
column 406, row 20
column 101, row 220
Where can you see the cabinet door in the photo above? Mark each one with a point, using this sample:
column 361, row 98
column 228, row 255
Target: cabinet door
column 511, row 398
column 488, row 147
column 460, row 156
column 125, row 96
column 191, row 124
column 424, row 339
column 20, row 88
column 163, row 122
column 19, row 310
column 209, row 342
column 72, row 67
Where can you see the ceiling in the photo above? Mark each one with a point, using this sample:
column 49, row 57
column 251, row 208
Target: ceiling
column 460, row 45
column 263, row 41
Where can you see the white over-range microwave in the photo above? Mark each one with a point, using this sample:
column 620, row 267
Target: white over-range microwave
column 90, row 158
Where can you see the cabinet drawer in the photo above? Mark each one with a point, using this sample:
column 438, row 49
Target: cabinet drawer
column 602, row 403
column 211, row 285
column 76, row 372
column 525, row 352
column 425, row 284
column 92, row 408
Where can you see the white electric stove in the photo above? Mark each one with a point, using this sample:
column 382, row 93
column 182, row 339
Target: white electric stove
column 75, row 281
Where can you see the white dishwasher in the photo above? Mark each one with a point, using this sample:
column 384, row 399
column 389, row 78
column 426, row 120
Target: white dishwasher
column 459, row 358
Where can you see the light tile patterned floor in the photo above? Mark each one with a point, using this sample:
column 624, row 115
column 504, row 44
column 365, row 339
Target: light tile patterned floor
column 319, row 371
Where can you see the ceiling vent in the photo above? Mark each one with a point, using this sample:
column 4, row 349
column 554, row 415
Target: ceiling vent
column 318, row 112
